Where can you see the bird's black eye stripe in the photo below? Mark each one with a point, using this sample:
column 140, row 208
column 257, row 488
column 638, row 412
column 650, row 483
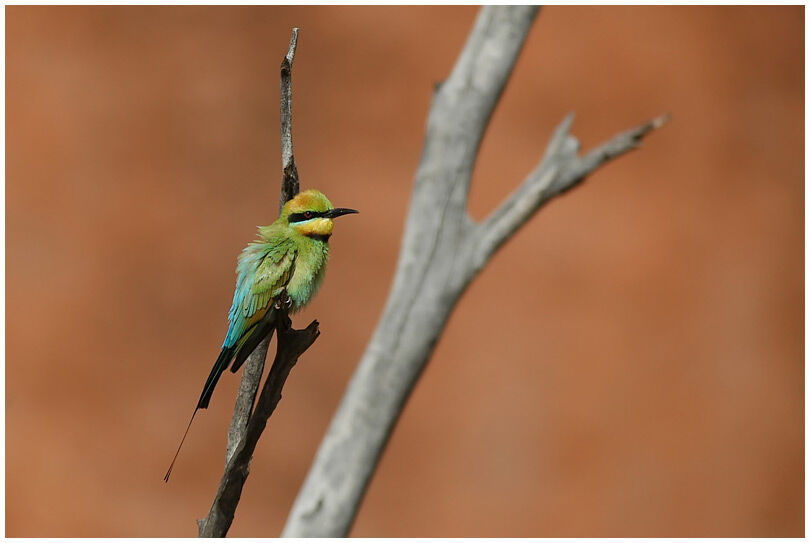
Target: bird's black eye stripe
column 305, row 216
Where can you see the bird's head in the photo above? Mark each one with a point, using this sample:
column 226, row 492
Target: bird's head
column 311, row 213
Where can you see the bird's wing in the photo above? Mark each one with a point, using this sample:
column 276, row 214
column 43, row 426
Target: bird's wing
column 264, row 270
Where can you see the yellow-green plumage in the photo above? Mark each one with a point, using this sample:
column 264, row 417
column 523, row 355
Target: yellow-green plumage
column 287, row 260
column 289, row 257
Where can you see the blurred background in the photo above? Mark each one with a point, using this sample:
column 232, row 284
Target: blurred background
column 640, row 374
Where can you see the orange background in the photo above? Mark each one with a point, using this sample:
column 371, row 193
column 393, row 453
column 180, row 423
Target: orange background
column 630, row 364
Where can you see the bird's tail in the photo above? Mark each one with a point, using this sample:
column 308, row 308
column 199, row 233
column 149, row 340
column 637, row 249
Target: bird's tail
column 220, row 365
column 171, row 466
column 238, row 353
column 223, row 360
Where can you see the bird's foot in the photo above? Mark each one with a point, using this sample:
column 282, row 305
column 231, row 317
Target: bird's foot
column 284, row 301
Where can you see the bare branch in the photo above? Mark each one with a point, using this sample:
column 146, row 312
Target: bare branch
column 246, row 426
column 248, row 387
column 626, row 141
column 442, row 251
column 465, row 101
column 289, row 185
column 254, row 365
column 291, row 345
column 560, row 170
column 425, row 288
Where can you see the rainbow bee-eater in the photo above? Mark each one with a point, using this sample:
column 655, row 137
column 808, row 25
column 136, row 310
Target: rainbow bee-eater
column 284, row 267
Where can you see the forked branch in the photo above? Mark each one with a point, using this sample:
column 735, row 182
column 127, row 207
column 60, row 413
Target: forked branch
column 442, row 251
column 560, row 170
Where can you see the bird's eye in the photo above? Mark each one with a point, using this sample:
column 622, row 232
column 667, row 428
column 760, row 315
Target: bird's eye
column 307, row 214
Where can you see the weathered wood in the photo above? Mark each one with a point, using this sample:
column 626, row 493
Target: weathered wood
column 254, row 365
column 291, row 345
column 442, row 251
column 246, row 424
column 289, row 183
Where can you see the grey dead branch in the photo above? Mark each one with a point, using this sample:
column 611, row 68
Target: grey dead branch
column 443, row 249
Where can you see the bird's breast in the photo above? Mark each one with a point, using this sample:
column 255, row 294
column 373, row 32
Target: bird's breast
column 310, row 266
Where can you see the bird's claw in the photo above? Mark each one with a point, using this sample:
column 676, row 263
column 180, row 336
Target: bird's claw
column 284, row 301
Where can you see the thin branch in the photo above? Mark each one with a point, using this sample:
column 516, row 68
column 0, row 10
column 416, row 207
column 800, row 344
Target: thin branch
column 247, row 425
column 254, row 365
column 291, row 345
column 559, row 171
column 289, row 185
column 248, row 387
column 617, row 146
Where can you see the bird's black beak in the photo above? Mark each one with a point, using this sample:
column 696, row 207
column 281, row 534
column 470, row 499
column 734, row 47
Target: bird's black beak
column 338, row 211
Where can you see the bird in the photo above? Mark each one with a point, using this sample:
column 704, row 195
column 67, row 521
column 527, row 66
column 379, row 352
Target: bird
column 283, row 268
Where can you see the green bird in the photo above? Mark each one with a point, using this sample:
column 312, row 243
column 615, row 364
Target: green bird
column 283, row 267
